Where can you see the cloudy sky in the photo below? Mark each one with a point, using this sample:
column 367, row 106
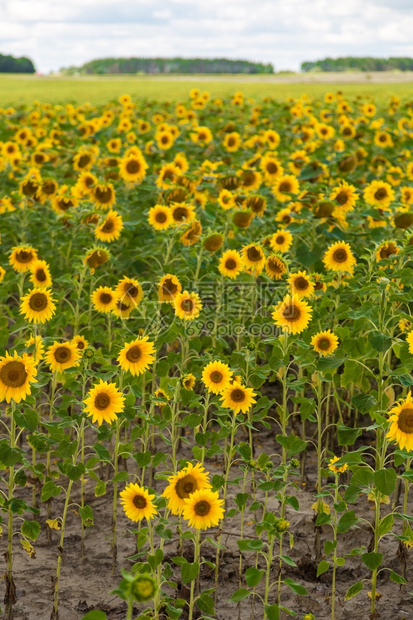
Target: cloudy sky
column 59, row 33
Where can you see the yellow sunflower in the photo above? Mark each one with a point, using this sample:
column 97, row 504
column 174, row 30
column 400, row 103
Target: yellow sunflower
column 183, row 484
column 386, row 250
column 104, row 402
column 129, row 291
column 103, row 195
column 167, row 175
column 122, row 308
column 136, row 356
column 226, row 199
column 182, row 213
column 104, row 299
column 237, row 397
column 253, row 258
column 292, row 314
column 379, row 194
column 271, row 167
column 324, row 343
column 95, row 258
column 192, row 234
column 203, row 509
column 187, row 305
column 284, row 186
column 336, row 469
column 37, row 306
column 16, row 374
column 281, row 241
column 22, row 258
column 137, row 502
column 216, row 376
column 62, row 355
column 110, row 228
column 301, row 284
column 133, row 167
column 409, row 340
column 232, row 142
column 345, row 195
column 339, row 257
column 80, row 342
column 168, row 287
column 40, row 274
column 230, row 264
column 275, row 267
column 160, row 217
column 401, row 423
column 36, row 348
column 189, row 381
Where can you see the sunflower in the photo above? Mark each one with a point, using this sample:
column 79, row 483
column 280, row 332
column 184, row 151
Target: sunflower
column 386, row 250
column 95, row 258
column 133, row 167
column 22, row 258
column 167, row 175
column 104, row 299
column 271, row 168
column 409, row 340
column 203, row 509
column 85, row 184
column 250, row 180
column 182, row 213
column 168, row 287
column 114, row 145
column 406, row 195
column 61, row 356
column 213, row 242
column 137, row 502
column 189, row 381
column 292, row 314
column 216, row 376
column 254, row 258
column 379, row 194
column 36, row 348
column 103, row 195
column 37, row 306
column 232, row 142
column 80, row 342
column 226, row 199
column 122, row 308
column 230, row 264
column 339, row 257
column 192, row 234
column 401, row 424
column 336, row 469
column 2, row 273
column 187, row 305
column 129, row 291
column 183, row 484
column 136, row 356
column 16, row 374
column 324, row 343
column 104, row 401
column 40, row 274
column 164, row 140
column 275, row 267
column 110, row 228
column 83, row 160
column 48, row 189
column 301, row 284
column 242, row 219
column 281, row 241
column 160, row 217
column 284, row 186
column 345, row 196
column 237, row 397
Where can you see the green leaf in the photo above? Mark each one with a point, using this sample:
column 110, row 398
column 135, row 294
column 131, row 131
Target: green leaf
column 272, row 611
column 30, row 529
column 95, row 615
column 240, row 594
column 122, row 476
column 189, row 572
column 353, row 591
column 380, row 341
column 346, row 435
column 250, row 545
column 294, row 445
column 86, row 514
column 253, row 576
column 27, row 419
column 143, row 458
column 49, row 490
column 385, row 480
column 372, row 560
column 347, row 521
column 9, row 456
column 329, row 363
column 397, row 578
column 363, row 402
column 295, row 587
column 386, row 524
column 323, row 567
column 205, row 603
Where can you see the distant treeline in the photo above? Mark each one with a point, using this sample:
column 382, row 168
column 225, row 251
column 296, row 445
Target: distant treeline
column 9, row 64
column 170, row 65
column 352, row 63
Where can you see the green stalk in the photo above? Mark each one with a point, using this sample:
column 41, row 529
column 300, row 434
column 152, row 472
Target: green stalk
column 333, row 585
column 196, row 559
column 10, row 595
column 55, row 612
column 115, row 497
column 268, row 572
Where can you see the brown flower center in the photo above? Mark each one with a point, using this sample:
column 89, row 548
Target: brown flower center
column 38, row 302
column 301, row 283
column 238, row 395
column 387, row 250
column 41, row 275
column 280, row 240
column 230, row 263
column 340, row 256
column 272, row 167
column 254, row 254
column 83, row 161
column 103, row 195
column 342, row 197
column 185, row 486
column 180, row 214
column 216, row 376
column 285, row 186
column 291, row 313
column 202, row 508
column 133, row 166
column 381, row 193
column 13, row 374
column 405, row 421
column 134, row 354
column 102, row 401
column 187, row 305
column 48, row 188
column 62, row 355
column 105, row 298
column 324, row 344
column 24, row 256
column 169, row 288
column 275, row 266
column 161, row 217
column 139, row 501
column 108, row 226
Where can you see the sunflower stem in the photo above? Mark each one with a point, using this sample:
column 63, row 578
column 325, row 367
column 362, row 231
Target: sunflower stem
column 10, row 595
column 115, row 496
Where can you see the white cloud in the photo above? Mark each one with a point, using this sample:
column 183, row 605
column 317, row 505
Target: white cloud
column 56, row 33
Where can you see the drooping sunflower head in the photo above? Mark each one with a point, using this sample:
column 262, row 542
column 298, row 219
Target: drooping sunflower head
column 253, row 257
column 243, row 218
column 136, row 356
column 104, row 299
column 192, row 234
column 22, row 258
column 183, row 484
column 160, row 217
column 110, row 229
column 213, row 242
column 216, row 376
column 137, row 502
column 104, row 402
column 324, row 343
column 62, row 355
column 401, row 423
column 292, row 314
column 188, row 381
column 38, row 305
column 231, row 264
column 187, row 305
column 17, row 372
column 386, row 250
column 339, row 257
column 129, row 291
column 168, row 287
column 95, row 258
column 275, row 267
column 238, row 397
column 257, row 204
column 40, row 274
column 203, row 509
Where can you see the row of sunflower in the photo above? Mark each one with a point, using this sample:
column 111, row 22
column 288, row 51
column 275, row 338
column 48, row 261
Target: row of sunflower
column 206, row 316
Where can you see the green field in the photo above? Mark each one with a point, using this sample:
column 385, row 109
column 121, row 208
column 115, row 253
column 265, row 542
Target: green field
column 18, row 89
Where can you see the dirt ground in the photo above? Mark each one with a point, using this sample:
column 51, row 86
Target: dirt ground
column 86, row 585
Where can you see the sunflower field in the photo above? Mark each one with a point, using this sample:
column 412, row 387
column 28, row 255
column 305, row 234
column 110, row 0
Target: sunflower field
column 206, row 338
